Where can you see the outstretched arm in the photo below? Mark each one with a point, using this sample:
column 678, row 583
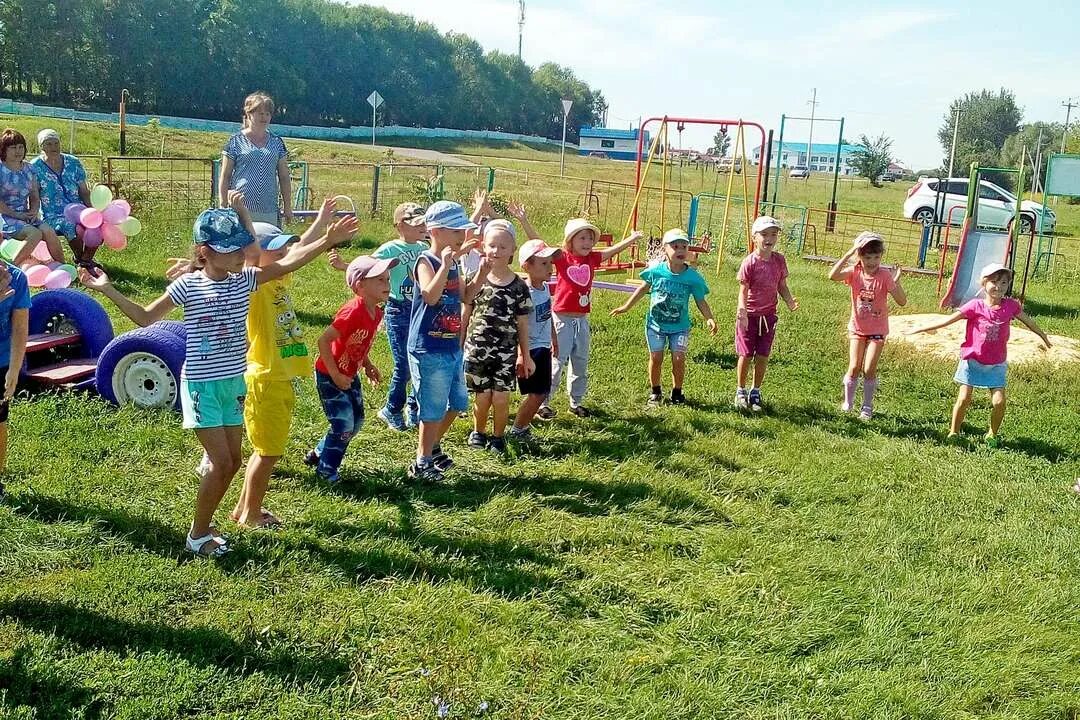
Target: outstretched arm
column 937, row 325
column 639, row 293
column 1026, row 320
column 517, row 211
column 340, row 231
column 618, row 247
column 139, row 314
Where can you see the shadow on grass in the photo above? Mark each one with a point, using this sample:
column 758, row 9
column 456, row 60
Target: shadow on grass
column 1035, row 308
column 152, row 281
column 200, row 646
column 47, row 698
column 717, row 357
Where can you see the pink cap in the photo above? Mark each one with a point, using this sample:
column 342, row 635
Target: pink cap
column 536, row 248
column 366, row 266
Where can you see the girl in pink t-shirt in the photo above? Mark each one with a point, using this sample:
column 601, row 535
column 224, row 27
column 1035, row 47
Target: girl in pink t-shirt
column 983, row 351
column 870, row 284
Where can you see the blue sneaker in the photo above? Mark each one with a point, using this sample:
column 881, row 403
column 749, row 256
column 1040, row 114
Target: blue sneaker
column 756, row 403
column 393, row 421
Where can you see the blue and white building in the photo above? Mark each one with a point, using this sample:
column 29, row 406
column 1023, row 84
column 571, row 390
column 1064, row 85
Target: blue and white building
column 821, row 158
column 613, row 142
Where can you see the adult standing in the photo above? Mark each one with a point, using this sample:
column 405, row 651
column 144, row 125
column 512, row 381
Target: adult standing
column 256, row 163
column 20, row 199
column 61, row 182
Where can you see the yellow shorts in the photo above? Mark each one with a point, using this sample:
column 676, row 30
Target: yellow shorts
column 268, row 414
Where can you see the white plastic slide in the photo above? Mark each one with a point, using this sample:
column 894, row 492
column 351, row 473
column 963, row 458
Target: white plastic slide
column 978, row 248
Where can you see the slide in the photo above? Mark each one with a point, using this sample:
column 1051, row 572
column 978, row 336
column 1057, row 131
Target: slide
column 978, row 248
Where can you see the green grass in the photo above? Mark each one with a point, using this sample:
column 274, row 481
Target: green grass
column 679, row 563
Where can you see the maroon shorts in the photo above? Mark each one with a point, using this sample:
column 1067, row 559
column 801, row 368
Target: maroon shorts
column 757, row 337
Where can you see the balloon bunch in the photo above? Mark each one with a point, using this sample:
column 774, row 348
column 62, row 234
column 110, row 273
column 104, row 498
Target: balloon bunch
column 48, row 274
column 106, row 221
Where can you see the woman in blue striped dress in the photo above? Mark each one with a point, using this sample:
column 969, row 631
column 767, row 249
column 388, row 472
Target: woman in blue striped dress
column 255, row 162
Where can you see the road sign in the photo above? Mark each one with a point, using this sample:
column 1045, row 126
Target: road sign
column 566, row 106
column 375, row 99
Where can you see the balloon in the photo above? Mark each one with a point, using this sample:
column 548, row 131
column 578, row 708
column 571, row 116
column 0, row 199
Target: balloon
column 9, row 248
column 90, row 217
column 36, row 275
column 57, row 279
column 100, row 197
column 72, row 212
column 116, row 212
column 131, row 227
column 80, row 230
column 69, row 269
column 114, row 243
column 111, row 235
column 41, row 252
column 92, row 237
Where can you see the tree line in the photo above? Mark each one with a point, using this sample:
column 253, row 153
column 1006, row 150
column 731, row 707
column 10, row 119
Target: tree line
column 318, row 59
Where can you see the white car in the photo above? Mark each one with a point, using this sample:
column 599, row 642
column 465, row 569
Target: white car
column 996, row 205
column 799, row 171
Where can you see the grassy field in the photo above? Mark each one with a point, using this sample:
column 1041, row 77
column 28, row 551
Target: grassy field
column 673, row 563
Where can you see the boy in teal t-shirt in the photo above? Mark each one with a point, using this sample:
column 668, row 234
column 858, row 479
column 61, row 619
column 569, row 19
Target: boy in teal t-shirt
column 670, row 284
column 406, row 248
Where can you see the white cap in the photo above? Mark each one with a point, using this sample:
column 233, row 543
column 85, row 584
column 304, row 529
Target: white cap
column 992, row 269
column 866, row 237
column 763, row 223
column 675, row 235
column 576, row 225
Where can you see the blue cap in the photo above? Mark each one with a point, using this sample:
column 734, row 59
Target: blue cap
column 270, row 237
column 449, row 215
column 220, row 229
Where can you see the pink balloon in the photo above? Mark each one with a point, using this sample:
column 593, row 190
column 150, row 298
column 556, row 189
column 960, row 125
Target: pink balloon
column 72, row 212
column 41, row 252
column 114, row 243
column 92, row 237
column 111, row 235
column 91, row 218
column 57, row 279
column 37, row 275
column 116, row 212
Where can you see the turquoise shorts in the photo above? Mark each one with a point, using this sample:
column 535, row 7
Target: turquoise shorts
column 213, row 403
column 975, row 374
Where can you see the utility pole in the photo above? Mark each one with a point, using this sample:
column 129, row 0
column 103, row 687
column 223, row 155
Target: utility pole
column 1068, row 105
column 521, row 24
column 1037, row 175
column 813, row 102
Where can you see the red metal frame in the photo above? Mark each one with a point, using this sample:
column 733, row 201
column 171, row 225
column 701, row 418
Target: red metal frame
column 700, row 121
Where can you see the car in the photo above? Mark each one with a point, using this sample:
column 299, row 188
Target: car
column 799, row 171
column 889, row 176
column 726, row 164
column 996, row 205
column 598, row 154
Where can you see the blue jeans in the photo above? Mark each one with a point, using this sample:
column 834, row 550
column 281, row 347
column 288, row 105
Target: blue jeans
column 345, row 411
column 439, row 382
column 400, row 393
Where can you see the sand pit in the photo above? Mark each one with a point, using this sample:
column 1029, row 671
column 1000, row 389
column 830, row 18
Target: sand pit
column 1024, row 345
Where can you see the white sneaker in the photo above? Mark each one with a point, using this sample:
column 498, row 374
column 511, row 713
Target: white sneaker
column 866, row 414
column 742, row 400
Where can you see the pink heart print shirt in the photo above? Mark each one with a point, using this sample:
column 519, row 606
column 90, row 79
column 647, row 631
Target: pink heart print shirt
column 573, row 281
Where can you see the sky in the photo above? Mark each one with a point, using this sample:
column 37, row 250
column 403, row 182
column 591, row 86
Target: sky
column 886, row 67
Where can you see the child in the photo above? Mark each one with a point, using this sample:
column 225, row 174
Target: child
column 215, row 300
column 670, row 283
column 497, row 312
column 409, row 222
column 762, row 276
column 871, row 284
column 535, row 258
column 276, row 356
column 435, row 354
column 983, row 352
column 343, row 350
column 14, row 327
column 574, row 269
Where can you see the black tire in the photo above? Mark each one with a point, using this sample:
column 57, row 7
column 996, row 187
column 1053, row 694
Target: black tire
column 924, row 216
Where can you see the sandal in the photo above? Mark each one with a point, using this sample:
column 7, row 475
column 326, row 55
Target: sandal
column 267, row 521
column 196, row 546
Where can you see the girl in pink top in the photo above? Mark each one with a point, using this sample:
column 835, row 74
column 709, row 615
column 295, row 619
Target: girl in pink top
column 871, row 284
column 983, row 352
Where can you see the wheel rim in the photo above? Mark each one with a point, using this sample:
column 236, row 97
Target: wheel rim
column 925, row 217
column 144, row 380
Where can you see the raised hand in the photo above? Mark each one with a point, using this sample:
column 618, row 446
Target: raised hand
column 343, row 229
column 636, row 235
column 896, row 273
column 327, row 209
column 466, row 248
column 516, row 210
column 480, row 200
column 334, row 258
column 236, row 200
column 177, row 268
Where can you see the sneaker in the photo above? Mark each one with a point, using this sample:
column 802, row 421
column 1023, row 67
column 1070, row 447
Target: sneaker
column 677, row 397
column 742, row 401
column 846, row 407
column 332, row 479
column 427, row 473
column 756, row 403
column 993, row 441
column 654, row 401
column 522, row 435
column 580, row 410
column 866, row 414
column 497, row 444
column 546, row 413
column 311, row 459
column 441, row 459
column 477, row 440
column 394, row 421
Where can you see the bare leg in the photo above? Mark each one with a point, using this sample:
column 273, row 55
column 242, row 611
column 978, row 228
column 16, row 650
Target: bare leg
column 500, row 404
column 30, row 236
column 248, row 510
column 873, row 355
column 656, row 366
column 223, row 447
column 56, row 250
column 742, row 369
column 997, row 409
column 760, row 364
column 678, row 369
column 481, row 410
column 959, row 411
column 856, row 352
column 527, row 410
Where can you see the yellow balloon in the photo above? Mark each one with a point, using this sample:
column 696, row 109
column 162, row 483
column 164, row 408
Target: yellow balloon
column 130, row 226
column 100, row 197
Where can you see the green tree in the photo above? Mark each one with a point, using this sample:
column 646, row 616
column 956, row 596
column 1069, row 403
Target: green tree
column 987, row 119
column 871, row 158
column 1035, row 142
column 720, row 143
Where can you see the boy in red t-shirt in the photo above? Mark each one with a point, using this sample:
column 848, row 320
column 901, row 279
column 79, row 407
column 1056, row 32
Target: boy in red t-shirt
column 343, row 350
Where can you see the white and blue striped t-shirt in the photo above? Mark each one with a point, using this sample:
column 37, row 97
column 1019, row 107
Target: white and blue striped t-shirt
column 215, row 317
column 255, row 171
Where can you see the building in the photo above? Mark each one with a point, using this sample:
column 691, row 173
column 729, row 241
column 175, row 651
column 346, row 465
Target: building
column 822, row 156
column 612, row 142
